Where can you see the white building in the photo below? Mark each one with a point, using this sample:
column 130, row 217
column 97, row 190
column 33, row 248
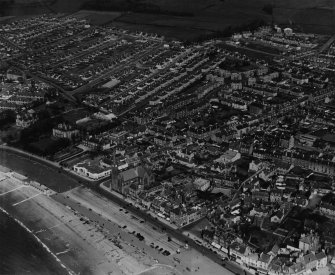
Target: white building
column 64, row 131
column 202, row 184
column 229, row 156
column 91, row 170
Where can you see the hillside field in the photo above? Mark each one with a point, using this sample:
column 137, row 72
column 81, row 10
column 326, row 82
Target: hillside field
column 191, row 17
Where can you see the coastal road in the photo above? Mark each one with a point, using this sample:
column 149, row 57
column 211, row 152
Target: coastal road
column 190, row 260
column 111, row 211
column 177, row 234
column 105, row 221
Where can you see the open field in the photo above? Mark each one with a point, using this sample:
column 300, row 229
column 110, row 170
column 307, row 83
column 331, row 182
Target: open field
column 213, row 15
column 97, row 17
column 50, row 176
column 166, row 31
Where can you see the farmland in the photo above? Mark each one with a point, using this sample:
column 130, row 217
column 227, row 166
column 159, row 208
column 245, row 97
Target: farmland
column 194, row 17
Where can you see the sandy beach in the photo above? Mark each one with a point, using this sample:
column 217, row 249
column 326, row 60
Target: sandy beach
column 88, row 234
column 82, row 248
column 126, row 225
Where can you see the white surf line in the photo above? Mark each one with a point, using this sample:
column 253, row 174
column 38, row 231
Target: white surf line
column 69, row 271
column 63, row 252
column 15, row 204
column 12, row 190
column 39, row 231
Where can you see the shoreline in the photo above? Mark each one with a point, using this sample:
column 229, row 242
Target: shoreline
column 76, row 245
column 37, row 239
column 39, row 162
column 97, row 253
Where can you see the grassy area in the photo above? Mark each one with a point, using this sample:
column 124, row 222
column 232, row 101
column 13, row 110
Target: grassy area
column 48, row 146
column 210, row 15
column 263, row 48
column 197, row 227
column 76, row 160
column 291, row 224
column 97, row 17
column 263, row 240
column 168, row 32
column 49, row 176
column 74, row 115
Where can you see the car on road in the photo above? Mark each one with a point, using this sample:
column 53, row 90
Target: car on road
column 124, row 227
column 126, row 212
column 156, row 247
column 161, row 249
column 141, row 221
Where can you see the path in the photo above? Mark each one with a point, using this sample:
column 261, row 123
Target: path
column 327, row 44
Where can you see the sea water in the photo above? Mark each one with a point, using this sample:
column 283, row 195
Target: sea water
column 20, row 253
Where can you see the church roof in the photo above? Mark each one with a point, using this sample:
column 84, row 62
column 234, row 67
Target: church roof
column 133, row 173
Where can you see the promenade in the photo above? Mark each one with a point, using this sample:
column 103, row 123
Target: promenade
column 71, row 180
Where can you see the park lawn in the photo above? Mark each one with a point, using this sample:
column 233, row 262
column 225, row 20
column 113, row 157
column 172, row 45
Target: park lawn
column 48, row 146
column 263, row 240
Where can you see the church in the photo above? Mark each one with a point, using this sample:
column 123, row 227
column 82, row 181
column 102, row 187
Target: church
column 131, row 181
